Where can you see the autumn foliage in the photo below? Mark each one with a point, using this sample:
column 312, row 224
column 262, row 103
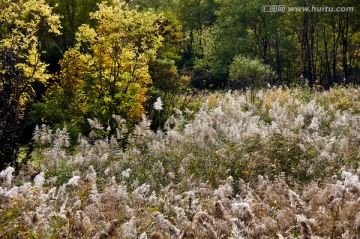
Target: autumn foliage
column 107, row 72
column 20, row 66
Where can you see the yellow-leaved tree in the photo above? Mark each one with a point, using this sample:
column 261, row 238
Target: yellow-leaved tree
column 21, row 24
column 107, row 73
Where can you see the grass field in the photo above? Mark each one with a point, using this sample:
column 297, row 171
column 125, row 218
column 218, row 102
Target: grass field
column 281, row 163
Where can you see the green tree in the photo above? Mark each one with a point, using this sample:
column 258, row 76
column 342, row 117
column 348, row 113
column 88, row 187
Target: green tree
column 145, row 5
column 320, row 48
column 236, row 31
column 73, row 14
column 163, row 68
column 195, row 16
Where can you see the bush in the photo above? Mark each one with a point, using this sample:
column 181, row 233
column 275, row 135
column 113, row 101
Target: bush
column 248, row 73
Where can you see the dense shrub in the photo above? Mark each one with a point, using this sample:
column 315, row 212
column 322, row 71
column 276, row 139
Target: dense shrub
column 245, row 72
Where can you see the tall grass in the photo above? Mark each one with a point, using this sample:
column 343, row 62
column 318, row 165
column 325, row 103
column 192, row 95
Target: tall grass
column 284, row 164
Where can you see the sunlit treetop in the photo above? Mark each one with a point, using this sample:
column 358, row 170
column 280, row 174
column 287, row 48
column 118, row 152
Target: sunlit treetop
column 112, row 72
column 20, row 25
